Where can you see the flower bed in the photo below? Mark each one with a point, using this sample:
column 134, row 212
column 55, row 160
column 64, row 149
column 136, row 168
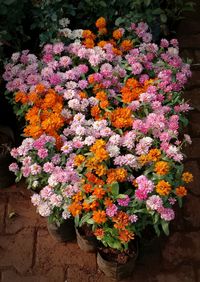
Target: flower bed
column 105, row 116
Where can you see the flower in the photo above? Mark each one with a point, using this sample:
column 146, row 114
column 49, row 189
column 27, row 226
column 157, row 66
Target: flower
column 103, row 116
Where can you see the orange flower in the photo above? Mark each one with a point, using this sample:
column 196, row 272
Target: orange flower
column 100, row 170
column 77, row 197
column 82, row 95
column 99, row 233
column 121, row 117
column 126, row 45
column 95, row 112
column 91, row 79
column 181, row 191
column 143, row 159
column 121, row 220
column 102, row 43
column 103, row 31
column 187, row 177
column 101, row 95
column 89, row 43
column 78, row 160
column 131, row 90
column 21, row 97
column 163, row 188
column 40, row 88
column 125, row 235
column 100, row 23
column 99, row 216
column 117, row 34
column 86, row 206
column 87, row 188
column 94, row 205
column 154, row 155
column 75, row 209
column 98, row 192
column 116, row 51
column 161, row 168
column 108, row 202
column 88, row 34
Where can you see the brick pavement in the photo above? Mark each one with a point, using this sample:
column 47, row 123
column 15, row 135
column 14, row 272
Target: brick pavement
column 29, row 254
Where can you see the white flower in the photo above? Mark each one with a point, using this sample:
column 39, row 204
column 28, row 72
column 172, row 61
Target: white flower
column 44, row 209
column 113, row 150
column 64, row 22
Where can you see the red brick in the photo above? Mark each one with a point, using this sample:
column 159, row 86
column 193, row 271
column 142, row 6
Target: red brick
column 17, row 250
column 194, row 186
column 181, row 248
column 50, row 253
column 26, row 215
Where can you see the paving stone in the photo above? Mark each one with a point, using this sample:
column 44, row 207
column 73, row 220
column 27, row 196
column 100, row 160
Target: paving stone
column 182, row 274
column 24, row 214
column 17, row 250
column 194, row 186
column 12, row 276
column 81, row 274
column 2, row 212
column 193, row 151
column 181, row 248
column 50, row 253
column 193, row 97
column 191, row 211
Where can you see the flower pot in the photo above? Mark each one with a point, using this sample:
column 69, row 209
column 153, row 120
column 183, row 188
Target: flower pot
column 115, row 270
column 63, row 233
column 85, row 243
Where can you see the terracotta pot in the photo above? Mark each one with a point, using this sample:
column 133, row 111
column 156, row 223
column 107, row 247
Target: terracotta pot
column 63, row 233
column 85, row 243
column 115, row 270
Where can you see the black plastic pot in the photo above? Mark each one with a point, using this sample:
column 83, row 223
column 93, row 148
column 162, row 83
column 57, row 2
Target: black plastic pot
column 63, row 233
column 85, row 243
column 115, row 270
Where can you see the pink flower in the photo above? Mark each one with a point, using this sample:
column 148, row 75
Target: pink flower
column 111, row 210
column 167, row 214
column 154, row 202
column 42, row 153
column 124, row 202
column 48, row 167
column 14, row 167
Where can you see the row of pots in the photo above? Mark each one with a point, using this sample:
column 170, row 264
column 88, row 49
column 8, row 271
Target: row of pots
column 67, row 232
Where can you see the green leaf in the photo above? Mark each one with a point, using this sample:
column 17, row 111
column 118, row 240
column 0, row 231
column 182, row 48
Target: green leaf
column 163, row 18
column 90, row 221
column 115, row 189
column 9, row 2
column 76, row 220
column 165, row 227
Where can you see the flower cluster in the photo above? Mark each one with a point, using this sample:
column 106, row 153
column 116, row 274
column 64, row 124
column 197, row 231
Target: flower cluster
column 122, row 100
